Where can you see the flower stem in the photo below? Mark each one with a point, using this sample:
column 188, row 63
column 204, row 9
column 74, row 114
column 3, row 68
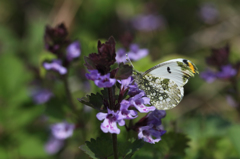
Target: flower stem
column 69, row 96
column 111, row 95
column 115, row 151
column 111, row 98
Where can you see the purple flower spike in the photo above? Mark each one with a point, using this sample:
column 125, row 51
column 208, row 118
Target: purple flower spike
column 121, row 55
column 53, row 145
column 56, row 65
column 73, row 50
column 110, row 121
column 105, row 81
column 62, row 130
column 226, row 72
column 139, row 101
column 135, row 53
column 41, row 96
column 125, row 113
column 208, row 75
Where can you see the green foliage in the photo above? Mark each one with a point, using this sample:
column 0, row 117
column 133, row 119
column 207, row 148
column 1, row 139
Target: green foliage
column 123, row 72
column 172, row 145
column 233, row 134
column 93, row 100
column 99, row 148
column 127, row 149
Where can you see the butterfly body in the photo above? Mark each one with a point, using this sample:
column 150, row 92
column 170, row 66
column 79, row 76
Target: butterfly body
column 163, row 83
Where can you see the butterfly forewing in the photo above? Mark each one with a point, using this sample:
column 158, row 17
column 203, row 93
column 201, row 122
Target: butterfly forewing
column 176, row 70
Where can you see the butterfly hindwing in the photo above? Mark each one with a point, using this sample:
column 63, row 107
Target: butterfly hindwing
column 163, row 83
column 163, row 93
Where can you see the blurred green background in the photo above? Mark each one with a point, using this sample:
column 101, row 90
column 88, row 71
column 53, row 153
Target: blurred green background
column 186, row 30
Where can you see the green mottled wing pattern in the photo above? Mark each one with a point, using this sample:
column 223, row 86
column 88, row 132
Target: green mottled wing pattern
column 163, row 93
column 163, row 83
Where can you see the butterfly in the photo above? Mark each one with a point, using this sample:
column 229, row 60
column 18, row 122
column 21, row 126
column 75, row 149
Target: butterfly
column 163, row 83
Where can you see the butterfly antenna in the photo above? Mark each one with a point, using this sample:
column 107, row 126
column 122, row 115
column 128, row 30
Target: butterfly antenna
column 128, row 59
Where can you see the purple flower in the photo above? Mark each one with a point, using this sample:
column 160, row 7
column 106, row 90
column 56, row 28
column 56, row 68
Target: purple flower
column 226, row 72
column 155, row 117
column 208, row 75
column 101, row 81
column 62, row 130
column 93, row 75
column 150, row 126
column 53, row 145
column 121, row 55
column 110, row 121
column 135, row 53
column 73, row 50
column 139, row 101
column 41, row 96
column 148, row 22
column 105, row 81
column 231, row 101
column 134, row 90
column 56, row 65
column 148, row 132
column 125, row 113
column 125, row 83
column 208, row 13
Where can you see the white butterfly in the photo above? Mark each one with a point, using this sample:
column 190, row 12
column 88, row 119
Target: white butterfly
column 163, row 83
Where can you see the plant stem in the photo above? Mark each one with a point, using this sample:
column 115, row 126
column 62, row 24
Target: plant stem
column 69, row 96
column 111, row 98
column 115, row 151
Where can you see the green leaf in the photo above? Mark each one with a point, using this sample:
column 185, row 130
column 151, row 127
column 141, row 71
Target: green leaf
column 124, row 71
column 173, row 144
column 233, row 133
column 93, row 100
column 86, row 149
column 99, row 148
column 126, row 150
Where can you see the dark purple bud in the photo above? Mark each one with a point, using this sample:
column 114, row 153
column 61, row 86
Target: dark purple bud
column 219, row 57
column 55, row 38
column 104, row 58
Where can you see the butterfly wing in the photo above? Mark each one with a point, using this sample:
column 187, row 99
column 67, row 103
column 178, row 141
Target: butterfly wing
column 163, row 83
column 178, row 70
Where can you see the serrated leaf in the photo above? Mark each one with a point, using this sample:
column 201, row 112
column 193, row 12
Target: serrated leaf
column 126, row 150
column 87, row 151
column 99, row 148
column 124, row 71
column 93, row 100
column 174, row 144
